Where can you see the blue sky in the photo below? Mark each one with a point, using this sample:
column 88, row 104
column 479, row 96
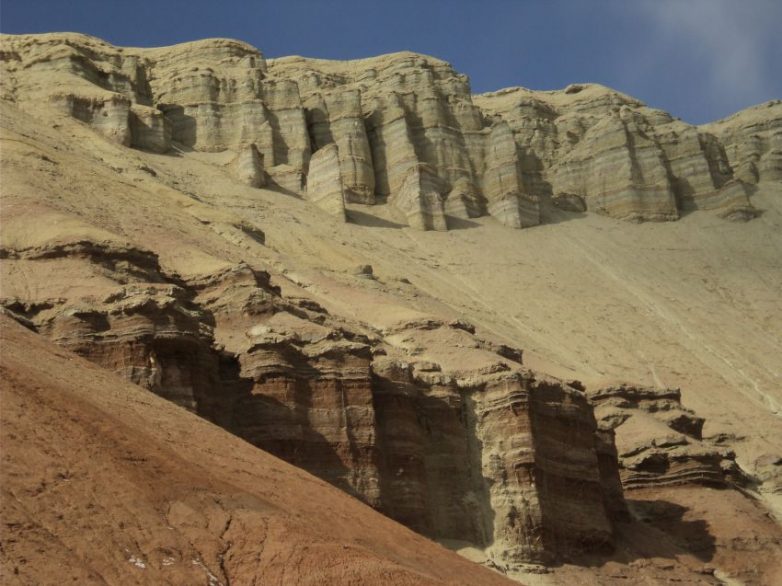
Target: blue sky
column 699, row 59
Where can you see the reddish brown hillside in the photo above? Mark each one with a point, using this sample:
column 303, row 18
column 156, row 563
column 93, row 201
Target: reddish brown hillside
column 104, row 483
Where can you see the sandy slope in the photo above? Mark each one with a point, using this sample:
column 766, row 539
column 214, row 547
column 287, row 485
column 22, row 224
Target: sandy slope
column 105, row 483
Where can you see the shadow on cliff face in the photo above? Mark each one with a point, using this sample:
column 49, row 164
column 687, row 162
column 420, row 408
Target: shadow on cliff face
column 431, row 471
column 650, row 527
column 275, row 427
column 552, row 214
column 658, row 530
column 369, row 221
column 692, row 537
column 557, row 216
column 455, row 223
column 184, row 128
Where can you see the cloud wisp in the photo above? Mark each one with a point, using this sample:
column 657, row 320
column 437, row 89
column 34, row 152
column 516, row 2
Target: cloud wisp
column 725, row 46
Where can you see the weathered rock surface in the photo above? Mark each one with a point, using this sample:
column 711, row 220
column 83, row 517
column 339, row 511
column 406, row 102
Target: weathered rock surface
column 420, row 198
column 492, row 460
column 752, row 140
column 624, row 158
column 499, row 153
column 324, row 181
column 660, row 442
column 113, row 484
column 149, row 129
column 337, row 118
column 247, row 166
column 108, row 114
column 484, row 453
column 619, row 171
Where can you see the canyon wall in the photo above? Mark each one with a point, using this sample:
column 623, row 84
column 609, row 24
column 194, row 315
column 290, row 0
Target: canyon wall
column 492, row 455
column 407, row 131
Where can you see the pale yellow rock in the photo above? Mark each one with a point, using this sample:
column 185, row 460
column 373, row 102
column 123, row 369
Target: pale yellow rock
column 247, row 166
column 752, row 140
column 287, row 177
column 324, row 181
column 503, row 182
column 421, row 199
column 657, row 158
column 512, row 154
column 464, row 200
column 336, row 118
column 619, row 172
column 108, row 114
column 149, row 129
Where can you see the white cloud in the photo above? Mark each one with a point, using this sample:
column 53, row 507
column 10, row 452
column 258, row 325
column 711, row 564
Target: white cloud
column 729, row 41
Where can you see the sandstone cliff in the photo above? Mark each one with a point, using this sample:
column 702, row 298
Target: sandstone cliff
column 127, row 488
column 406, row 130
column 486, row 453
column 659, row 442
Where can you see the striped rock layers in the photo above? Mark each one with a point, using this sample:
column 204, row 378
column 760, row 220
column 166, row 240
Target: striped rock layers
column 504, row 153
column 659, row 441
column 494, row 455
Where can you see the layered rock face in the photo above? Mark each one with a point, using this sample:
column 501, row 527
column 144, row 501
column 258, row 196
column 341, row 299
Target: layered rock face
column 145, row 327
column 247, row 166
column 324, row 182
column 489, row 453
column 752, row 140
column 630, row 161
column 660, row 442
column 494, row 460
column 105, row 482
column 620, row 171
column 420, row 199
column 390, row 117
column 399, row 112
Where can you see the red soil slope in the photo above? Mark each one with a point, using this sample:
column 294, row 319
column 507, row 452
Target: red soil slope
column 104, row 483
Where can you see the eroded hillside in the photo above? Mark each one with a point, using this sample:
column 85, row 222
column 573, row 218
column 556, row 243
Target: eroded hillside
column 245, row 239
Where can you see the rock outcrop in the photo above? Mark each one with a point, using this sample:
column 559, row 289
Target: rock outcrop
column 624, row 159
column 501, row 153
column 149, row 129
column 420, row 198
column 337, row 118
column 104, row 482
column 492, row 460
column 618, row 170
column 660, row 442
column 108, row 114
column 247, row 166
column 752, row 140
column 487, row 453
column 324, row 181
column 146, row 328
